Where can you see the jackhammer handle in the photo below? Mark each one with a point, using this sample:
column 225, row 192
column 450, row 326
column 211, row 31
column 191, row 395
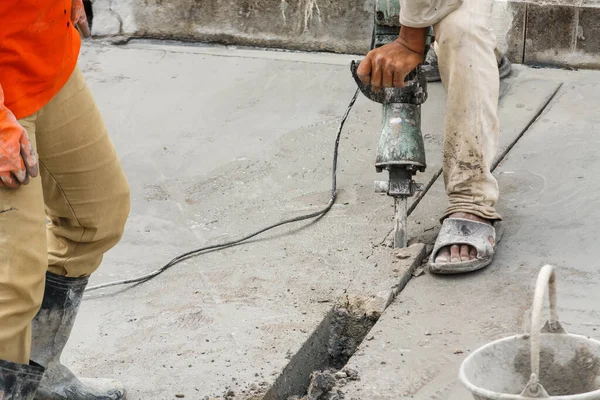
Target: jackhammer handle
column 414, row 92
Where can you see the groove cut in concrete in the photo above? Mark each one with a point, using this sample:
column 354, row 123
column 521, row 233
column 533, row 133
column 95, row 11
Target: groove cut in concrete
column 343, row 329
column 312, row 356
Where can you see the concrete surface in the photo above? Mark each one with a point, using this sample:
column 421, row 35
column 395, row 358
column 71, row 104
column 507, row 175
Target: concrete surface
column 218, row 142
column 216, row 146
column 548, row 199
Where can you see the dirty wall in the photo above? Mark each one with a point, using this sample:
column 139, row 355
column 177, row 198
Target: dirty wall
column 548, row 32
column 316, row 25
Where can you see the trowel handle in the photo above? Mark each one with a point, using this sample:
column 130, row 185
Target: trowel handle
column 546, row 280
column 414, row 91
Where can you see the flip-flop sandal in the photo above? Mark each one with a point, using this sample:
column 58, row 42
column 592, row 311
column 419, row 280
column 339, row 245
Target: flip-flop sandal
column 457, row 231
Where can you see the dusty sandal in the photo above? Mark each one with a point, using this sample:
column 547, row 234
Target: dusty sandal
column 456, row 231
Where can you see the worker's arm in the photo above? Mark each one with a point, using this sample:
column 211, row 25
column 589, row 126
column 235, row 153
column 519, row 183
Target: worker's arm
column 18, row 160
column 389, row 65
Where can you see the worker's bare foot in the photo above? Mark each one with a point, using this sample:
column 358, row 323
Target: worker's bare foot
column 458, row 253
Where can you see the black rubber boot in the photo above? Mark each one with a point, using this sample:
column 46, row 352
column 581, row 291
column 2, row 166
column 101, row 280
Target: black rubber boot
column 51, row 330
column 431, row 68
column 19, row 381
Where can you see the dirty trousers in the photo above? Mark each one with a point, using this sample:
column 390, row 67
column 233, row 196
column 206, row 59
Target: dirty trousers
column 65, row 219
column 467, row 55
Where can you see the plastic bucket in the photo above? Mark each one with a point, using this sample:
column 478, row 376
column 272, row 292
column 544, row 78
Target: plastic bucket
column 549, row 363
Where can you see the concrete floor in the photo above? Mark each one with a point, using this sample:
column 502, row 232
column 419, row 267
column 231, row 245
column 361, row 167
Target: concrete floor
column 549, row 196
column 219, row 142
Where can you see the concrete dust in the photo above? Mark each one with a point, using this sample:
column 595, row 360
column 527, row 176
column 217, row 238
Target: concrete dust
column 237, row 391
column 328, row 384
column 578, row 375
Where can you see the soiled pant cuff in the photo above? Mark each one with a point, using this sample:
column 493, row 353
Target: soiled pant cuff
column 481, row 211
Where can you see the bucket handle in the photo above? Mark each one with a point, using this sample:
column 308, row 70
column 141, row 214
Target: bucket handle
column 546, row 280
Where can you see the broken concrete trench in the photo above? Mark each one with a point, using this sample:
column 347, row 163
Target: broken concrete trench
column 213, row 156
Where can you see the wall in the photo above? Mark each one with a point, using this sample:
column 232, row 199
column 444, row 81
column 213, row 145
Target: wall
column 550, row 32
column 325, row 25
column 539, row 32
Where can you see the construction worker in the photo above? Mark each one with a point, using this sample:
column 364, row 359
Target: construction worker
column 468, row 65
column 64, row 198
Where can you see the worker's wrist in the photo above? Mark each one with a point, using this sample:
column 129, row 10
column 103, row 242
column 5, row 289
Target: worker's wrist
column 414, row 39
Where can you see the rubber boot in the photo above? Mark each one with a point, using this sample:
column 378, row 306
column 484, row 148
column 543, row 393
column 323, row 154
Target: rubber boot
column 431, row 68
column 51, row 330
column 19, row 381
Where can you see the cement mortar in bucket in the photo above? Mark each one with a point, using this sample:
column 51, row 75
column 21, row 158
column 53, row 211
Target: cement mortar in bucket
column 548, row 363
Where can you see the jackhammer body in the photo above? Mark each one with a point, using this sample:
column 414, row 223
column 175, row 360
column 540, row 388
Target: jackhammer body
column 401, row 150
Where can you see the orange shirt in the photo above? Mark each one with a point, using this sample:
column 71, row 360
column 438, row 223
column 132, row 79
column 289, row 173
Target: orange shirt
column 39, row 47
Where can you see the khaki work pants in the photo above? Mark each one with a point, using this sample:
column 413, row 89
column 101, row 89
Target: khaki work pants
column 468, row 61
column 83, row 193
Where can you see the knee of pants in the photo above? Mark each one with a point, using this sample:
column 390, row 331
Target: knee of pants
column 120, row 207
column 78, row 251
column 106, row 225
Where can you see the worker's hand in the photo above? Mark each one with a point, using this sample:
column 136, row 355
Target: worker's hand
column 18, row 159
column 388, row 65
column 79, row 18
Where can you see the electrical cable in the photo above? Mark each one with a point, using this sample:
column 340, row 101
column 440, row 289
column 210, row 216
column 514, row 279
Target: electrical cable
column 193, row 253
column 317, row 214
